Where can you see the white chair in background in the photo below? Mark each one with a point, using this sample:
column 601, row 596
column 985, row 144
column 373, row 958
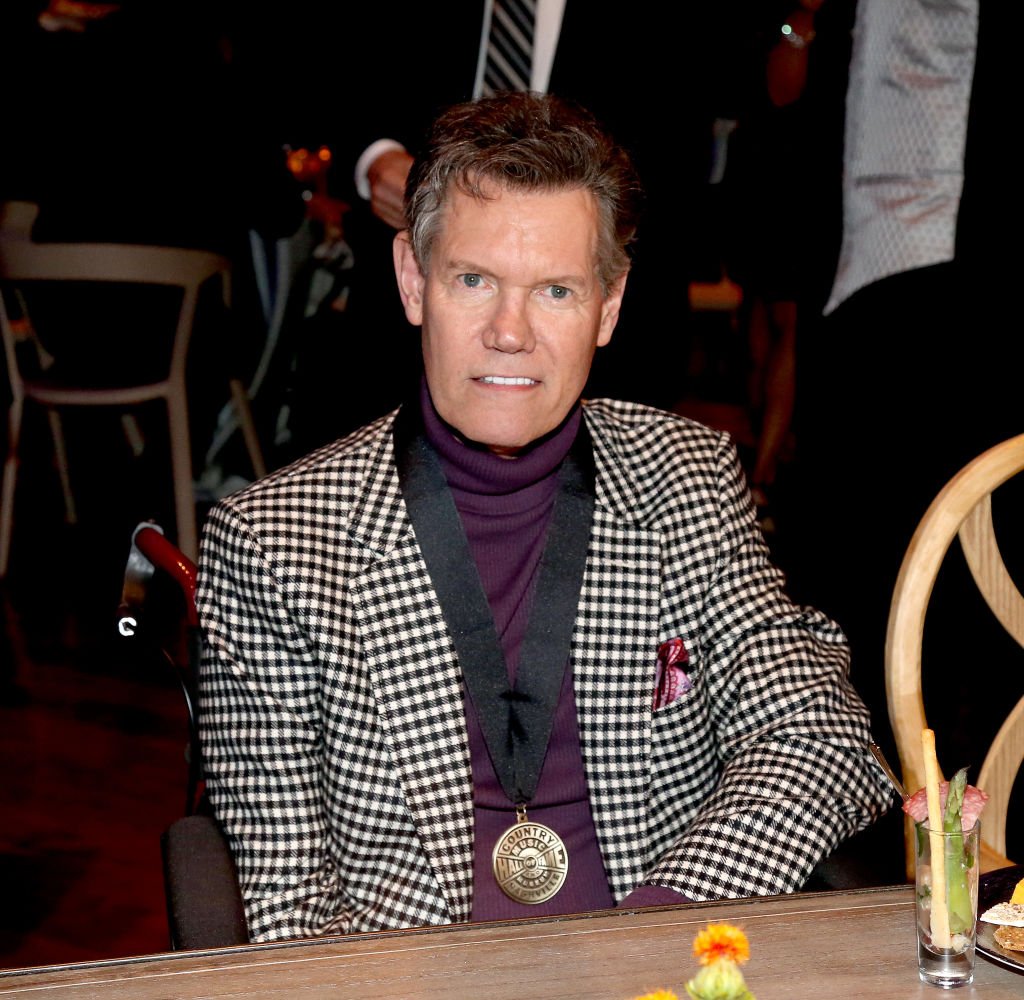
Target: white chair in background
column 24, row 263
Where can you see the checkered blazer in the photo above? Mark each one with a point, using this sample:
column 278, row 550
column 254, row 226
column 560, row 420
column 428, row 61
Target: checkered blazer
column 331, row 697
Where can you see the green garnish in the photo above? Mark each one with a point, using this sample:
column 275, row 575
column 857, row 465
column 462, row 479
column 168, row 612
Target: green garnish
column 958, row 893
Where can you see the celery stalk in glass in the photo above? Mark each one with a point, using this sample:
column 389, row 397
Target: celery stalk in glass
column 958, row 893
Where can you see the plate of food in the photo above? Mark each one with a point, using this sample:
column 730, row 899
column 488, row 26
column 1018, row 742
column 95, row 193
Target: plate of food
column 1001, row 916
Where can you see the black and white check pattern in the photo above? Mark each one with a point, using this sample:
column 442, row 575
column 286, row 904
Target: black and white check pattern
column 509, row 57
column 331, row 698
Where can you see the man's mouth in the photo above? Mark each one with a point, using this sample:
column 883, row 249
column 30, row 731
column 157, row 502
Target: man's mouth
column 507, row 380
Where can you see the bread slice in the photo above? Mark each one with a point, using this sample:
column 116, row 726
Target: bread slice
column 1011, row 938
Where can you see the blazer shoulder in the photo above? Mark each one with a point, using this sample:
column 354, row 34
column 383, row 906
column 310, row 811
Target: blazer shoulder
column 331, row 484
column 346, row 455
column 650, row 460
column 636, row 435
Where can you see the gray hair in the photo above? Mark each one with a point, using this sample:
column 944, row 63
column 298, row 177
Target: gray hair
column 524, row 142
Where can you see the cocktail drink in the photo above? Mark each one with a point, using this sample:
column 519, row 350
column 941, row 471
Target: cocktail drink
column 947, row 866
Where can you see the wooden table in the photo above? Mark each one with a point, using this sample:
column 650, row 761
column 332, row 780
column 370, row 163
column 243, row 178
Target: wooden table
column 849, row 944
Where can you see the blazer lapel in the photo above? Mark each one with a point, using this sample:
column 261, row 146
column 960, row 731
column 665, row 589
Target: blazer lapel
column 418, row 687
column 614, row 658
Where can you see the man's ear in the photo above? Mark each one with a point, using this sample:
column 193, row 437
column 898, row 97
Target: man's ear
column 410, row 278
column 610, row 309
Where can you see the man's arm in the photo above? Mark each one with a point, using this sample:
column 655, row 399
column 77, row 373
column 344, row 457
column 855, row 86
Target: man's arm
column 261, row 738
column 790, row 731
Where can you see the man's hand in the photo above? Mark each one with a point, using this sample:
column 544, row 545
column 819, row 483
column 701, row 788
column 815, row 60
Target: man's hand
column 387, row 176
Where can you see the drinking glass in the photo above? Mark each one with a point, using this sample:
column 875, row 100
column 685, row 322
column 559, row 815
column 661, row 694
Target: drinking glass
column 946, row 937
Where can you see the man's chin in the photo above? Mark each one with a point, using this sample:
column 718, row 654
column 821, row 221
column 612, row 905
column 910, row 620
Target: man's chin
column 508, row 443
column 504, row 441
column 498, row 444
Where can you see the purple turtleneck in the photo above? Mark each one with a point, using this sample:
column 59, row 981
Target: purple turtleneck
column 505, row 506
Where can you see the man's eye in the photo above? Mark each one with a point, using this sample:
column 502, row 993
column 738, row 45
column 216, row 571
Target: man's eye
column 559, row 291
column 471, row 280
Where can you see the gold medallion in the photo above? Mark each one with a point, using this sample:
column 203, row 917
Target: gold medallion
column 530, row 861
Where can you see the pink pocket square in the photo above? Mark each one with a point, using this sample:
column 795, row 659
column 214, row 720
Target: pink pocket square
column 670, row 680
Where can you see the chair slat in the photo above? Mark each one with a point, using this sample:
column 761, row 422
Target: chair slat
column 963, row 507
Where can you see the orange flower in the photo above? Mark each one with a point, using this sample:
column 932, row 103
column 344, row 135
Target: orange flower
column 659, row 995
column 721, row 941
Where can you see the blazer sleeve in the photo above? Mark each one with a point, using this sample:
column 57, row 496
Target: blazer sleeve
column 261, row 737
column 790, row 731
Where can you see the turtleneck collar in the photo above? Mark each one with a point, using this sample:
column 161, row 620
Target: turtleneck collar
column 473, row 469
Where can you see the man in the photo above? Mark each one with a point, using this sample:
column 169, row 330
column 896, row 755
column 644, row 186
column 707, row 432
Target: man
column 500, row 653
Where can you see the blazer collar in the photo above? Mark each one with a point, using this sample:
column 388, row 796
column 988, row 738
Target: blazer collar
column 377, row 517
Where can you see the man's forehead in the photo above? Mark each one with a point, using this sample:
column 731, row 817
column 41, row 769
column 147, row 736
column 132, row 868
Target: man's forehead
column 569, row 213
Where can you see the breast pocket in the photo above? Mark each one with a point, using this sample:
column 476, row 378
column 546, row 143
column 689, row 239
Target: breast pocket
column 688, row 706
column 683, row 746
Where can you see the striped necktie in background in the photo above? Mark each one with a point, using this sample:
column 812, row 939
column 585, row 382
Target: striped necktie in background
column 509, row 46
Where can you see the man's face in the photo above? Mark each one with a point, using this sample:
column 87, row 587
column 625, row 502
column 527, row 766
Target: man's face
column 511, row 309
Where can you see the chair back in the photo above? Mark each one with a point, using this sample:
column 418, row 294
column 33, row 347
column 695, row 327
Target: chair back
column 22, row 260
column 963, row 508
column 115, row 354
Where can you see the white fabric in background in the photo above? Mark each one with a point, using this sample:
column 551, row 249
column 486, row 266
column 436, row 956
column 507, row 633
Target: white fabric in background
column 906, row 127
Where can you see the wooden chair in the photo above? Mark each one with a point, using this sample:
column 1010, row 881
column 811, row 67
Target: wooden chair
column 22, row 262
column 963, row 508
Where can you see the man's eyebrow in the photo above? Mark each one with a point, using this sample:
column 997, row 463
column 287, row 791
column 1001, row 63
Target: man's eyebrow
column 565, row 279
column 464, row 265
column 461, row 266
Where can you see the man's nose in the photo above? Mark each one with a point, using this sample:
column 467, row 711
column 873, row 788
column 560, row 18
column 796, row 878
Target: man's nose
column 510, row 329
